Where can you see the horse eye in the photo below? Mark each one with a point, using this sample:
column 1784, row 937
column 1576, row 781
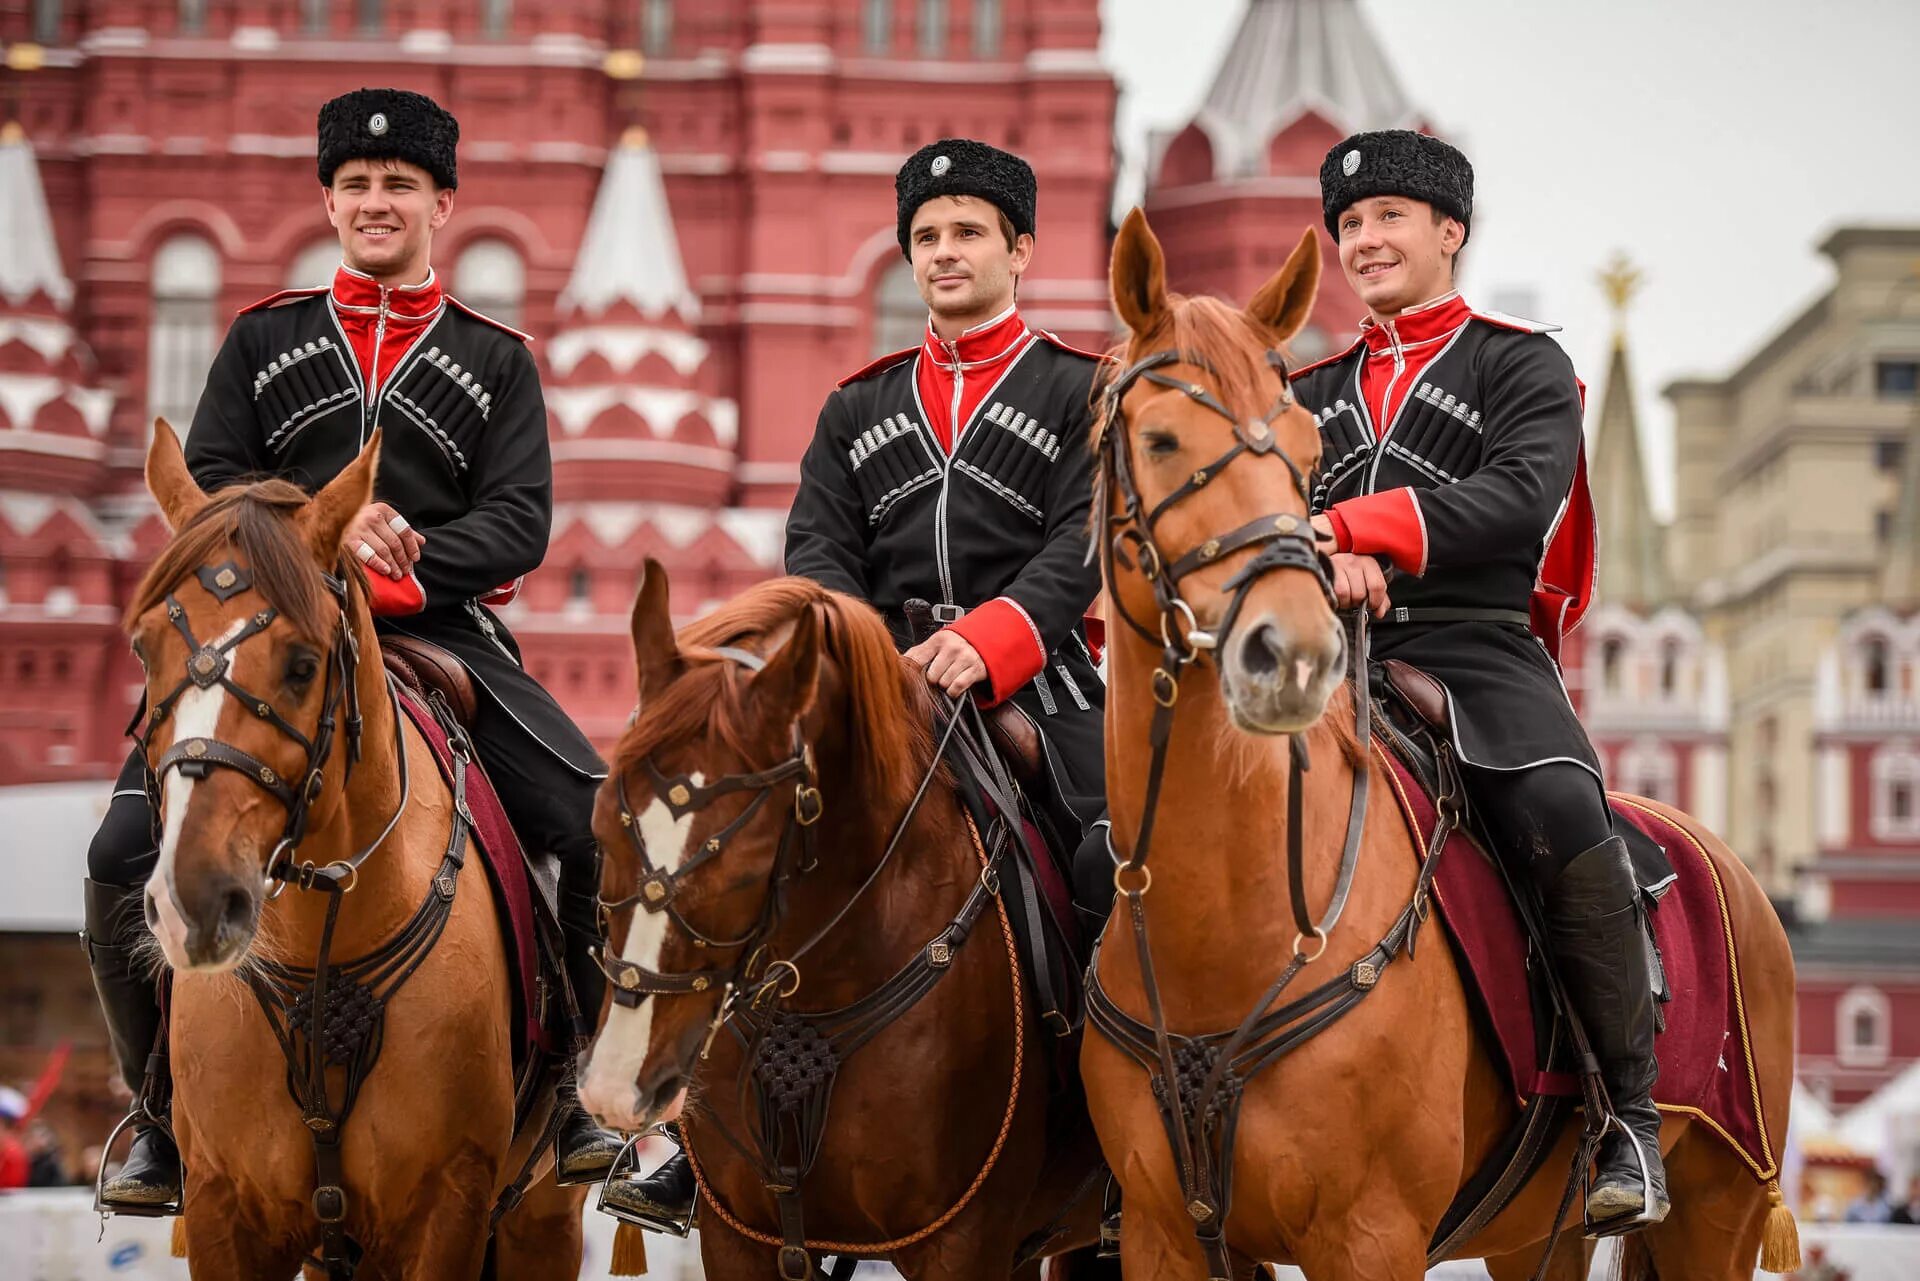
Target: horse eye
column 302, row 667
column 1160, row 444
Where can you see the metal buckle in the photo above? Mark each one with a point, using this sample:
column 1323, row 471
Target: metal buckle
column 948, row 613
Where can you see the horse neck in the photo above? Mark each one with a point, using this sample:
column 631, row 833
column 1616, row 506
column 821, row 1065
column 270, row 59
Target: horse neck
column 1219, row 907
column 394, row 876
column 914, row 896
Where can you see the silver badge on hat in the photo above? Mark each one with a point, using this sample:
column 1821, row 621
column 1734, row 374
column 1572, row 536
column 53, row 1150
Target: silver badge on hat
column 1350, row 163
column 941, row 164
column 377, row 124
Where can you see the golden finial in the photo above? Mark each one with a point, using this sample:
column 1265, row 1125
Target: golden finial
column 633, row 136
column 23, row 55
column 1620, row 280
column 11, row 134
column 624, row 64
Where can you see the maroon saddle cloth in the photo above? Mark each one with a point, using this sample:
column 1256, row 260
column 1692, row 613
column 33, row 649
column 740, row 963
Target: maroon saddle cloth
column 1705, row 1053
column 506, row 866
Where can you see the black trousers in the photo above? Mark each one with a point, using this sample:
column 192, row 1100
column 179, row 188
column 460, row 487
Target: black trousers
column 1540, row 818
column 549, row 804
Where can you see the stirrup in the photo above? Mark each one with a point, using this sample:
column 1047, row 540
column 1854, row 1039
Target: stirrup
column 107, row 1209
column 623, row 1175
column 1650, row 1211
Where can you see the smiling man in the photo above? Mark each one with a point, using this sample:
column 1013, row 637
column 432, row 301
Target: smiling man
column 463, row 512
column 1453, row 454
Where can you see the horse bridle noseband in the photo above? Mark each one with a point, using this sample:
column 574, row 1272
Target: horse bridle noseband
column 208, row 665
column 1286, row 541
column 660, row 888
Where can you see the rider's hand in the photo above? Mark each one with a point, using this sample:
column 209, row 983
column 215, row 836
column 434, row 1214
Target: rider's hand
column 1323, row 535
column 382, row 539
column 951, row 662
column 1358, row 580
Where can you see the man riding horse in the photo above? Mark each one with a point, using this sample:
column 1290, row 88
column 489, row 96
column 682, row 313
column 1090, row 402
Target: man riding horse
column 957, row 473
column 1452, row 452
column 465, row 504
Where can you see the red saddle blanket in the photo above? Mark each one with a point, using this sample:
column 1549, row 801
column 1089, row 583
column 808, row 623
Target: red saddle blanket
column 1706, row 1063
column 507, row 869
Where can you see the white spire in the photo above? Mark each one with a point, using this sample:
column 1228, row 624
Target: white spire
column 630, row 253
column 31, row 263
column 1291, row 57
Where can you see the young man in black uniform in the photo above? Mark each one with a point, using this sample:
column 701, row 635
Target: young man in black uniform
column 1452, row 451
column 464, row 508
column 957, row 472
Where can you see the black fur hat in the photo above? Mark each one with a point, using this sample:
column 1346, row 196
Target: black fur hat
column 963, row 167
column 389, row 124
column 1396, row 162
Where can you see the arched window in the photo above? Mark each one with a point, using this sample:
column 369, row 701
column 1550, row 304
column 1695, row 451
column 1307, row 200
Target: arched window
column 1895, row 810
column 46, row 21
column 986, row 28
column 1864, row 1034
column 371, row 15
column 314, row 265
column 656, row 26
column 1669, row 667
column 1650, row 768
column 1876, row 665
column 185, row 328
column 491, row 278
column 313, row 17
column 876, row 26
column 933, row 28
column 1613, row 651
column 193, row 17
column 899, row 313
column 496, row 16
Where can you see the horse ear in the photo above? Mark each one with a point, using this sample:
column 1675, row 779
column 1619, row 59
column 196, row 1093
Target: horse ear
column 1139, row 275
column 655, row 651
column 1284, row 302
column 171, row 484
column 339, row 501
column 792, row 672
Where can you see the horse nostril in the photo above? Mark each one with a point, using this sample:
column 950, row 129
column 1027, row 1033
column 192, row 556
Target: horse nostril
column 236, row 911
column 152, row 910
column 1263, row 651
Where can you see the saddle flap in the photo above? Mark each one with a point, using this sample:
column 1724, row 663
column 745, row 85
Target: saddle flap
column 424, row 667
column 1018, row 739
column 1422, row 694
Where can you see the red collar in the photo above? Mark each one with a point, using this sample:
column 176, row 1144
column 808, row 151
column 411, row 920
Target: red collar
column 1428, row 321
column 357, row 292
column 983, row 345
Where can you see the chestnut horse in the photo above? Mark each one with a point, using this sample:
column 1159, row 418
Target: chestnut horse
column 781, row 846
column 1350, row 1147
column 260, row 653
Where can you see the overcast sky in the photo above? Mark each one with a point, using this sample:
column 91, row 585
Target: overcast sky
column 1715, row 141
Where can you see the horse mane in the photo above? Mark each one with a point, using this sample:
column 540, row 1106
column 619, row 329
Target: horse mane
column 890, row 742
column 254, row 521
column 1202, row 328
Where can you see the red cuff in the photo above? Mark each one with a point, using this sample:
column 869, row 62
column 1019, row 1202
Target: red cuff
column 503, row 594
column 1387, row 524
column 1095, row 628
column 389, row 597
column 1007, row 642
column 1342, row 536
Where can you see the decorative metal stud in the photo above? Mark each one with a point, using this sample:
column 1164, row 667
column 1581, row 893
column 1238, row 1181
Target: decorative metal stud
column 629, row 980
column 679, row 794
column 713, row 845
column 444, row 884
column 1200, row 1210
column 1365, row 974
column 626, row 819
column 1200, row 477
column 1210, row 549
column 268, row 777
column 700, row 984
column 939, row 953
column 654, row 890
column 262, row 710
column 196, row 748
column 225, row 578
column 1287, row 524
column 1257, row 431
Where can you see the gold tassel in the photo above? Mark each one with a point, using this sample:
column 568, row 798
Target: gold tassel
column 1780, row 1239
column 180, row 1236
column 629, row 1252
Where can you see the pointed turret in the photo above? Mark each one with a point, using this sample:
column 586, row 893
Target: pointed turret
column 1633, row 569
column 53, row 413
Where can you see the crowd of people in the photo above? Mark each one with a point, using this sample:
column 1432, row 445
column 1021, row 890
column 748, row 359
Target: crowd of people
column 30, row 1150
column 1878, row 1204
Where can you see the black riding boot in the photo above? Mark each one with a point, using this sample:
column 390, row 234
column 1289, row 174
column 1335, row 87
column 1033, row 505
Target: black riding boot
column 1593, row 916
column 663, row 1201
column 150, row 1179
column 583, row 1152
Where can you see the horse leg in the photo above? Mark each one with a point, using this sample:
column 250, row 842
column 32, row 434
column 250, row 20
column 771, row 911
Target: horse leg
column 448, row 1212
column 725, row 1253
column 222, row 1242
column 542, row 1238
column 1152, row 1250
column 1719, row 1213
column 1393, row 1246
column 1572, row 1257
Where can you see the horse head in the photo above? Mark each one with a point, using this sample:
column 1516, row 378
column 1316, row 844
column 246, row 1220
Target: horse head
column 1205, row 457
column 242, row 625
column 747, row 728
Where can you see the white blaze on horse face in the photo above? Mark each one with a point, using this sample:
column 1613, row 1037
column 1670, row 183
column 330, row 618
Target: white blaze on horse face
column 608, row 1087
column 195, row 715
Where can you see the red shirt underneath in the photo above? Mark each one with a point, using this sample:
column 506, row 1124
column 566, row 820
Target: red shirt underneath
column 1399, row 349
column 954, row 377
column 409, row 309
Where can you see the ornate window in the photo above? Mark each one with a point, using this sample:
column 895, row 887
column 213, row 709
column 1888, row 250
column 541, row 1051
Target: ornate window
column 1670, row 667
column 1895, row 810
column 185, row 329
column 986, row 28
column 1876, row 665
column 46, row 21
column 1613, row 652
column 491, row 278
column 1650, row 768
column 1864, row 1028
column 933, row 28
column 899, row 313
column 193, row 17
column 371, row 16
column 314, row 265
column 496, row 16
column 876, row 26
column 656, row 26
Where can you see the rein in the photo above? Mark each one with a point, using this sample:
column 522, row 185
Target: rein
column 793, row 1056
column 1198, row 1081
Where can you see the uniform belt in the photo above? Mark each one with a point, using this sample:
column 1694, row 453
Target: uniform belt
column 1403, row 614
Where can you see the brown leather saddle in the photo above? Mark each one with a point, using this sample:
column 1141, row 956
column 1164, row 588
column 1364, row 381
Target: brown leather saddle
column 1018, row 740
column 424, row 668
